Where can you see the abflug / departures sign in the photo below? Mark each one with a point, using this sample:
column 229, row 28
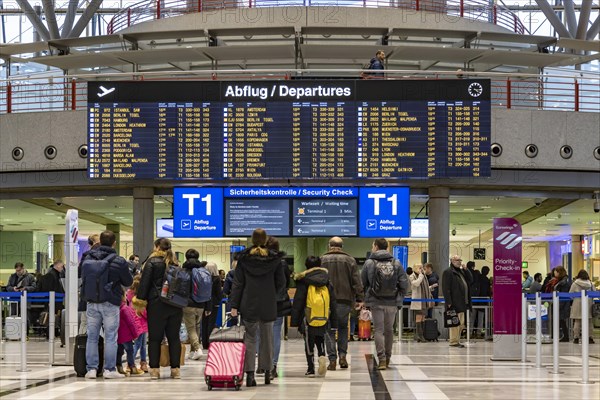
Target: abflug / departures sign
column 283, row 91
column 256, row 130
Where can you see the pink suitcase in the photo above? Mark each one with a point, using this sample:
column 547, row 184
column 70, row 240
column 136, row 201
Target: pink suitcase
column 225, row 365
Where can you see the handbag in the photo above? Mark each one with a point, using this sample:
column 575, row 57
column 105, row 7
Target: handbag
column 451, row 319
column 165, row 358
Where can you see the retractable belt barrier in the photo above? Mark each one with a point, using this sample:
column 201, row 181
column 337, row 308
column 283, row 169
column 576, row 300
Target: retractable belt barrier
column 35, row 297
column 556, row 298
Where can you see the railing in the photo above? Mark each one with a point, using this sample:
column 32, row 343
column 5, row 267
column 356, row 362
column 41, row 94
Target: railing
column 539, row 92
column 478, row 10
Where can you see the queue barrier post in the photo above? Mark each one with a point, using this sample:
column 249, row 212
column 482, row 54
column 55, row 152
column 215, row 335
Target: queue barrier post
column 585, row 335
column 524, row 328
column 555, row 332
column 51, row 325
column 538, row 330
column 23, row 366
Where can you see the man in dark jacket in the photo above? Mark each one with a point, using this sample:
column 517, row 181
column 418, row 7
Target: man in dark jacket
column 383, row 306
column 103, row 303
column 193, row 313
column 377, row 64
column 344, row 276
column 434, row 285
column 21, row 280
column 313, row 335
column 456, row 286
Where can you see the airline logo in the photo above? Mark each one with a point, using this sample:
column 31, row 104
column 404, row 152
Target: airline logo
column 508, row 240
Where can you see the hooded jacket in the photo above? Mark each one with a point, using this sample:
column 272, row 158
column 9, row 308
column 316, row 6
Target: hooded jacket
column 368, row 278
column 317, row 277
column 118, row 272
column 256, row 282
column 577, row 286
column 189, row 266
column 344, row 276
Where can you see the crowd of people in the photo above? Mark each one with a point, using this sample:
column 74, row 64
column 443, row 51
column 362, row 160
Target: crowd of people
column 126, row 300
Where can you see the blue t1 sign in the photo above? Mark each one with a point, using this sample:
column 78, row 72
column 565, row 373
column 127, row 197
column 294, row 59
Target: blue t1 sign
column 198, row 212
column 384, row 212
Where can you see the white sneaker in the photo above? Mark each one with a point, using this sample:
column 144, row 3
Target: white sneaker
column 322, row 366
column 91, row 374
column 195, row 355
column 113, row 375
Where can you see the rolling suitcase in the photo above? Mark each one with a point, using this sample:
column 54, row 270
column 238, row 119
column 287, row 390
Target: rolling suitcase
column 225, row 361
column 364, row 330
column 12, row 328
column 430, row 329
column 79, row 359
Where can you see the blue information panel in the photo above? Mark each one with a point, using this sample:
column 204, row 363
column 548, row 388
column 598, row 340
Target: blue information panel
column 198, row 212
column 384, row 212
column 400, row 253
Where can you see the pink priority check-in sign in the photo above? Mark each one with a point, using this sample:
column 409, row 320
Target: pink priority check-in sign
column 507, row 276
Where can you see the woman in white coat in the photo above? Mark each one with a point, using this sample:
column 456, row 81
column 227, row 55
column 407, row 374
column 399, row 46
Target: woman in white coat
column 420, row 290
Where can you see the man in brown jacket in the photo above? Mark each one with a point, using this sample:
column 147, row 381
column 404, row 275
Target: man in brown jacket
column 344, row 276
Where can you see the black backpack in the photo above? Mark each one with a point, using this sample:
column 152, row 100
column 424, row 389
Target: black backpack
column 385, row 281
column 179, row 283
column 95, row 286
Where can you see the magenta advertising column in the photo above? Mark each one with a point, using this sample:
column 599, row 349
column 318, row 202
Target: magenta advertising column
column 507, row 289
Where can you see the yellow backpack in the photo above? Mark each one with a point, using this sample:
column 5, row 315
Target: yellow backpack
column 317, row 305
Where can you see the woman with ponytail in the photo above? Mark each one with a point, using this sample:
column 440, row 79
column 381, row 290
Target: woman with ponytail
column 256, row 283
column 163, row 319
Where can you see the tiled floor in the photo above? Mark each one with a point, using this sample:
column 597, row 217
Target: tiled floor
column 430, row 371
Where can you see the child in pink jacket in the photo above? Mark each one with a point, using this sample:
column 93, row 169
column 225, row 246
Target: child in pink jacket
column 140, row 343
column 130, row 328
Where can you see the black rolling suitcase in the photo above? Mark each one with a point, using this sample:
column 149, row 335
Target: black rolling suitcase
column 79, row 360
column 430, row 329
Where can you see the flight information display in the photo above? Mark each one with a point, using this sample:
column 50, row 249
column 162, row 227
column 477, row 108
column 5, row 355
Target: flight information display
column 319, row 129
column 324, row 217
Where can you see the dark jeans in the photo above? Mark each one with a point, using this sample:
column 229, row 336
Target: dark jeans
column 121, row 349
column 164, row 320
column 310, row 340
column 564, row 328
column 208, row 324
column 343, row 310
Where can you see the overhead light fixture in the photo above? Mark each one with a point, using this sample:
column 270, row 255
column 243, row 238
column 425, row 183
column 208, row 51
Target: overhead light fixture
column 468, row 209
column 99, row 199
column 453, row 201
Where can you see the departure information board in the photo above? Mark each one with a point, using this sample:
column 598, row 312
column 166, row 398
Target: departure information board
column 313, row 129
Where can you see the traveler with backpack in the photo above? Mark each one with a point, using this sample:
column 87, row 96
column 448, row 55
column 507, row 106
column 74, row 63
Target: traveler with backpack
column 376, row 63
column 420, row 290
column 199, row 302
column 313, row 312
column 257, row 280
column 103, row 274
column 209, row 321
column 385, row 284
column 345, row 278
column 284, row 305
column 164, row 292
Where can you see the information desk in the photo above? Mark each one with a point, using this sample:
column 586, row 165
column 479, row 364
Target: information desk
column 289, row 129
